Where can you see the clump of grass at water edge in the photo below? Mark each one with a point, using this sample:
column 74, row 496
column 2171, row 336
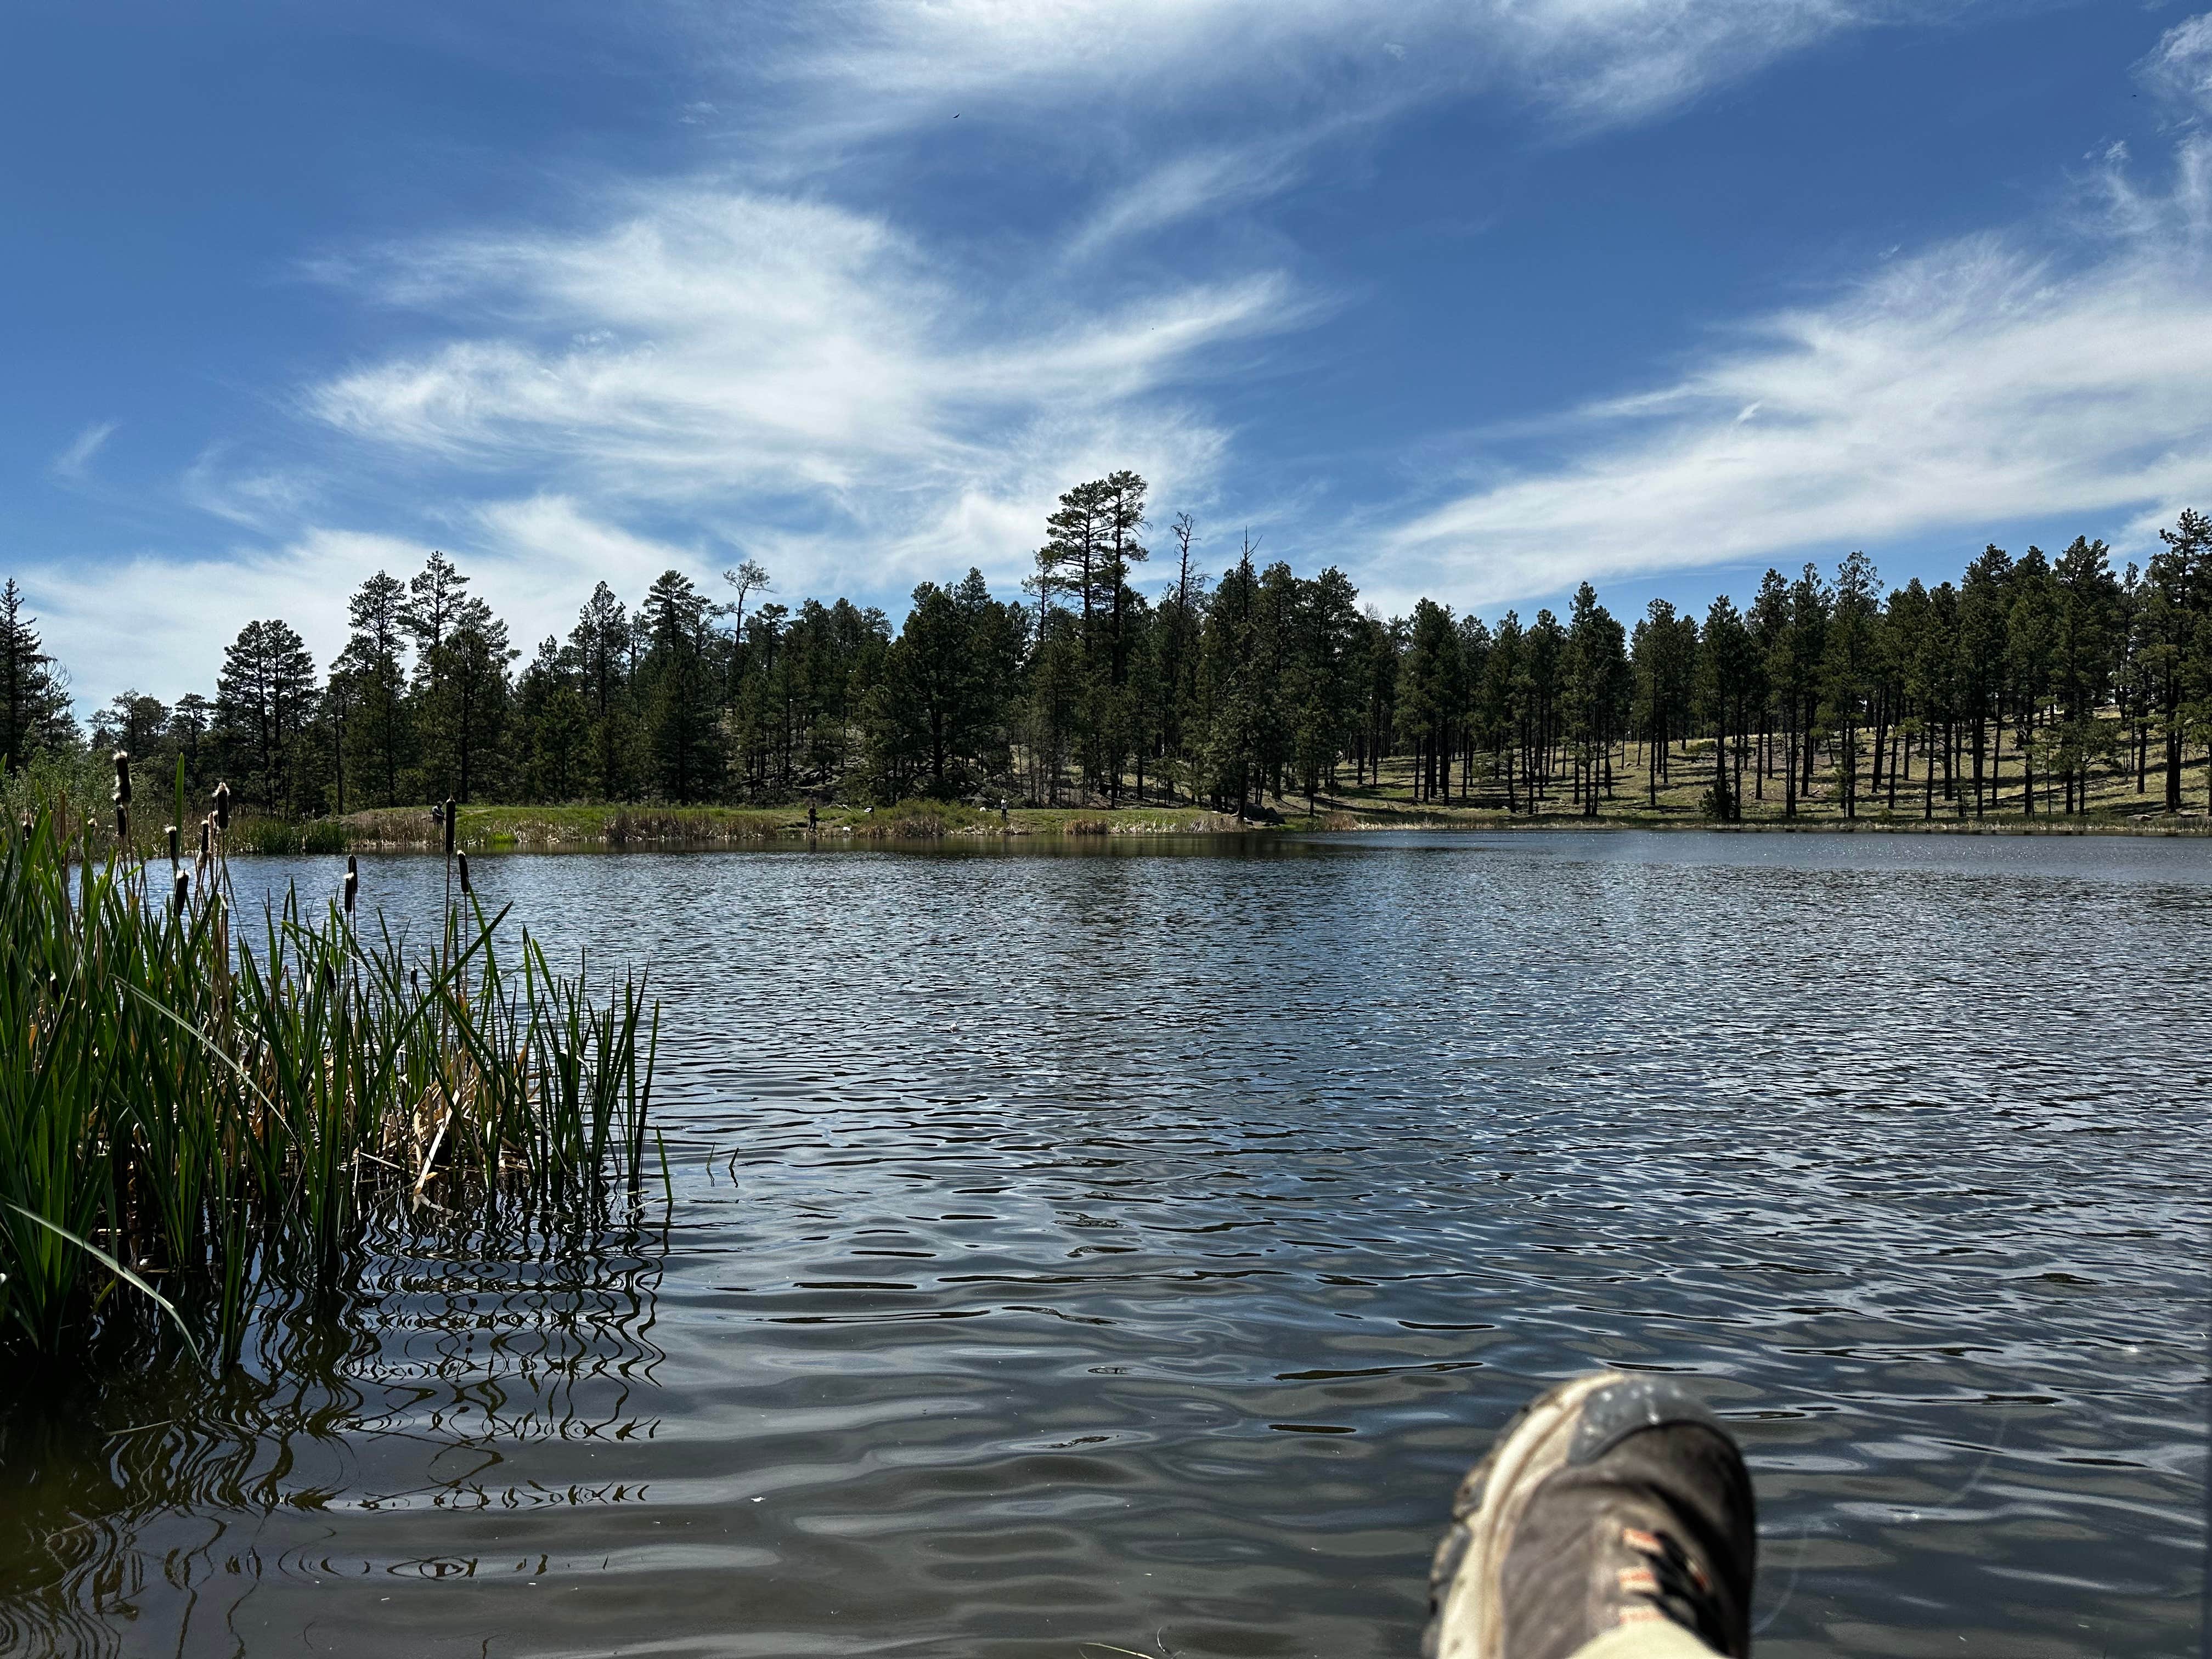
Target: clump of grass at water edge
column 196, row 1114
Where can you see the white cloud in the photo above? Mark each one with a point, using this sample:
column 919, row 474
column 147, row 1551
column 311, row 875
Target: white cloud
column 1591, row 63
column 1977, row 383
column 1203, row 182
column 158, row 624
column 800, row 375
column 533, row 560
column 256, row 499
column 73, row 464
column 2180, row 68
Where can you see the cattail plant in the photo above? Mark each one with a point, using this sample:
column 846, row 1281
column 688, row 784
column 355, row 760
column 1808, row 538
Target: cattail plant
column 122, row 797
column 190, row 1127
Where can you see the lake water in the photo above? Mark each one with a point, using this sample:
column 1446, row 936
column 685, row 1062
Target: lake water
column 1125, row 1250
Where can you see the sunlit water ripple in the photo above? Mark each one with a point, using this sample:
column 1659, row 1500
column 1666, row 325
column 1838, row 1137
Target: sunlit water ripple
column 1133, row 1248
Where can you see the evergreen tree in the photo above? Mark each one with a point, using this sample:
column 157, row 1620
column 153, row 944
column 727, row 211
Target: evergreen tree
column 1429, row 697
column 377, row 728
column 264, row 701
column 1848, row 665
column 1598, row 680
column 2176, row 616
column 2031, row 646
column 1798, row 677
column 1984, row 613
column 2086, row 654
column 1769, row 625
column 601, row 644
column 463, row 703
column 190, row 738
column 34, row 701
column 1230, row 692
column 1269, row 684
column 1726, row 677
column 1543, row 661
column 1501, row 707
column 552, row 726
column 676, row 689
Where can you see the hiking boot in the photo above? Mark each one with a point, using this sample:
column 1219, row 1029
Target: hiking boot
column 1612, row 1503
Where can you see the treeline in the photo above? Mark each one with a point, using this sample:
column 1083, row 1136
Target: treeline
column 2024, row 683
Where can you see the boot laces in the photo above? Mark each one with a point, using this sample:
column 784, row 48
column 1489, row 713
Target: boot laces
column 1669, row 1576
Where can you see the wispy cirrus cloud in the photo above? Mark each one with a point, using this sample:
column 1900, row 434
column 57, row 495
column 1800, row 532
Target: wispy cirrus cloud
column 73, row 464
column 1995, row 377
column 753, row 362
column 803, row 370
column 1202, row 181
column 2180, row 68
column 1585, row 64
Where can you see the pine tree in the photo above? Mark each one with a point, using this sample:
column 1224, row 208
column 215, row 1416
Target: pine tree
column 1984, row 612
column 265, row 701
column 552, row 726
column 34, row 702
column 1725, row 674
column 1429, row 697
column 1847, row 666
column 2086, row 658
column 601, row 642
column 1598, row 678
column 377, row 740
column 677, row 689
column 465, row 717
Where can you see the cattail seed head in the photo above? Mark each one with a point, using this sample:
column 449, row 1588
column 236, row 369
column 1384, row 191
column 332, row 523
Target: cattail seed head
column 176, row 840
column 122, row 822
column 465, row 886
column 207, row 837
column 449, row 826
column 352, row 883
column 123, row 777
column 184, row 891
column 223, row 806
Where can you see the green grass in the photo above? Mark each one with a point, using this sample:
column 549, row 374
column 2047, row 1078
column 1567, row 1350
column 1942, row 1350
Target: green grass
column 551, row 827
column 2113, row 805
column 193, row 1111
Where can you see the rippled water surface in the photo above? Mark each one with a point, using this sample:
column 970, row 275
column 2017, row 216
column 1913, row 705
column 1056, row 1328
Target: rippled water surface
column 1127, row 1251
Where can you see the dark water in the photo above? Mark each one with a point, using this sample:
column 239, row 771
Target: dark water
column 1127, row 1252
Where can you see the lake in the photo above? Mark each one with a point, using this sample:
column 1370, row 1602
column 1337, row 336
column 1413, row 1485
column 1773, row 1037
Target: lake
column 1125, row 1248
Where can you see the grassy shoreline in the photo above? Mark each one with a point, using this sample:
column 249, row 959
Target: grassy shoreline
column 523, row 828
column 532, row 829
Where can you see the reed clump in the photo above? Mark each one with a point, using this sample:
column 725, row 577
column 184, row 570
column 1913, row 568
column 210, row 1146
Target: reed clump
column 195, row 1113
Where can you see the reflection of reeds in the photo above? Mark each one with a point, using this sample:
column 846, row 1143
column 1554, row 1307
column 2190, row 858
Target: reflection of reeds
column 207, row 1121
column 456, row 1338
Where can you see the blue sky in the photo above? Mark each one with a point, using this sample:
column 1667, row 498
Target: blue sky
column 1475, row 298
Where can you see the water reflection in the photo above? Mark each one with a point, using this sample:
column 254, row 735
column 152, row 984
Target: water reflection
column 1132, row 1246
column 155, row 1500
